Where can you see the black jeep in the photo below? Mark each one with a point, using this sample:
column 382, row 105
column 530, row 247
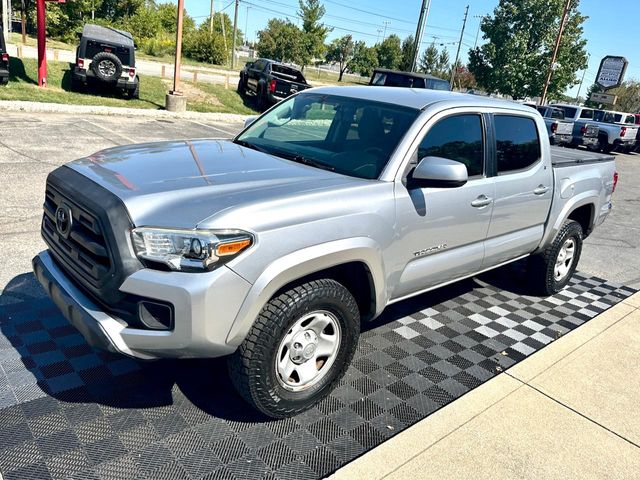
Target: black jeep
column 4, row 61
column 106, row 56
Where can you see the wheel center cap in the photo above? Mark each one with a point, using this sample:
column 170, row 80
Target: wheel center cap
column 303, row 346
column 308, row 351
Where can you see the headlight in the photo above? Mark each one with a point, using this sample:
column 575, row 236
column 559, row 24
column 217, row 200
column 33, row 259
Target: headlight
column 188, row 250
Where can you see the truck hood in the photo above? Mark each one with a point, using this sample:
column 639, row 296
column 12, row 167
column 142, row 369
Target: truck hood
column 180, row 184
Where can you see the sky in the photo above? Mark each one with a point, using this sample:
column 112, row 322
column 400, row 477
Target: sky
column 370, row 20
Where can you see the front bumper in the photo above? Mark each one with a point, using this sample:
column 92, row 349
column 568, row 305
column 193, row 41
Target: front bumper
column 205, row 306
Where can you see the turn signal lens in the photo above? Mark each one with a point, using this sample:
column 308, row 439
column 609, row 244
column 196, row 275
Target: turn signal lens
column 232, row 248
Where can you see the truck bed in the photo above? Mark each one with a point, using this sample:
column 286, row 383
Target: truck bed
column 564, row 157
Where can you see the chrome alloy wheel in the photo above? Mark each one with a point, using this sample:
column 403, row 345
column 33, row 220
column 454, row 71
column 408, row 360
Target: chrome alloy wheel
column 564, row 259
column 308, row 350
column 107, row 68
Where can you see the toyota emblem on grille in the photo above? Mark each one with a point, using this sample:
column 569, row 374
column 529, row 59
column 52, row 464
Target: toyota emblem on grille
column 63, row 220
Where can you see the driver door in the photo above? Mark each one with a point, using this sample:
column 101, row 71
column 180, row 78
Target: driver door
column 442, row 230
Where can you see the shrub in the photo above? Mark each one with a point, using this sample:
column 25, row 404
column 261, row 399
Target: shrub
column 205, row 47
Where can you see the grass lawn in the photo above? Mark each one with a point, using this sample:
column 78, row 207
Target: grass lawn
column 201, row 98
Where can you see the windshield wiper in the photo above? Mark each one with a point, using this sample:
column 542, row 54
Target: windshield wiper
column 252, row 146
column 302, row 159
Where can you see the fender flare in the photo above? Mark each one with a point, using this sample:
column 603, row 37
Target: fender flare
column 304, row 262
column 590, row 197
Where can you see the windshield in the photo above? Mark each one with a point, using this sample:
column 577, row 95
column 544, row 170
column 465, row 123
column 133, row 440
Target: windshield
column 350, row 136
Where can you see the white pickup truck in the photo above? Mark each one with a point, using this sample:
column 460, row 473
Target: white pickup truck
column 612, row 134
column 559, row 129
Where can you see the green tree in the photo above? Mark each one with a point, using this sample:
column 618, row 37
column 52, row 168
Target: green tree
column 628, row 96
column 521, row 36
column 390, row 52
column 314, row 33
column 279, row 41
column 435, row 62
column 218, row 19
column 205, row 47
column 364, row 60
column 595, row 88
column 429, row 60
column 341, row 51
column 408, row 46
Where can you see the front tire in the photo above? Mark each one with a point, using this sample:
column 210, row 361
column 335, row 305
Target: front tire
column 551, row 269
column 298, row 349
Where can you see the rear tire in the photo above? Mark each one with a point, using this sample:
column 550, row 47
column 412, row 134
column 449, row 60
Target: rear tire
column 282, row 340
column 4, row 80
column 135, row 93
column 604, row 146
column 261, row 101
column 551, row 269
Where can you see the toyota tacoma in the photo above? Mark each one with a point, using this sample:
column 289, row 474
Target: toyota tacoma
column 273, row 247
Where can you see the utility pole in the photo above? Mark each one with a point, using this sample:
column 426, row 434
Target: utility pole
column 235, row 33
column 481, row 17
column 384, row 34
column 176, row 69
column 246, row 27
column 582, row 79
column 93, row 9
column 552, row 65
column 5, row 19
column 211, row 11
column 455, row 64
column 23, row 21
column 378, row 37
column 422, row 21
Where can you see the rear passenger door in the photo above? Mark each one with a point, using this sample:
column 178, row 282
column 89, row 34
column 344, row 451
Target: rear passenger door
column 523, row 189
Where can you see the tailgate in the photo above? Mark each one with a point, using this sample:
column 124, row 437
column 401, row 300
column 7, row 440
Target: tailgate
column 284, row 88
column 590, row 130
column 564, row 128
column 630, row 133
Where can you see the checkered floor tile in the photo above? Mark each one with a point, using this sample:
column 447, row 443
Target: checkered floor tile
column 68, row 411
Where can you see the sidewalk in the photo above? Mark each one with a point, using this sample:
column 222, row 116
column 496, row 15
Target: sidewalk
column 571, row 410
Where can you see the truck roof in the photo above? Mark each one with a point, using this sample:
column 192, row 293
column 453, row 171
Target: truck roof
column 408, row 74
column 418, row 98
column 107, row 34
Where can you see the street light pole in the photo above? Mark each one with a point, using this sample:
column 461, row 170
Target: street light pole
column 211, row 17
column 455, row 64
column 582, row 79
column 422, row 21
column 481, row 17
column 552, row 65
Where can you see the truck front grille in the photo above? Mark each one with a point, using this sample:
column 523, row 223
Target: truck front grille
column 84, row 248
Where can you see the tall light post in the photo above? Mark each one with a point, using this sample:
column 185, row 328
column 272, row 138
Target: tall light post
column 455, row 63
column 481, row 17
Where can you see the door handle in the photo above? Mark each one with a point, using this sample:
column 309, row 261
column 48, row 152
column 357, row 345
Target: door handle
column 541, row 190
column 481, row 201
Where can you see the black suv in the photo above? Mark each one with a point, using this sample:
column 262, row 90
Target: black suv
column 4, row 61
column 393, row 78
column 106, row 56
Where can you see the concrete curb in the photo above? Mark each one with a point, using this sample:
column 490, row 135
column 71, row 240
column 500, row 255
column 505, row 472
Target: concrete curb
column 38, row 107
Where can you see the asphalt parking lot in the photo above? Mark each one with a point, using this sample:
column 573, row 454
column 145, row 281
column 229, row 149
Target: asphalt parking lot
column 68, row 411
column 34, row 144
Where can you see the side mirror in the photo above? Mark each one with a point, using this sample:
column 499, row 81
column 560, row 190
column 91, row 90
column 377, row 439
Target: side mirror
column 249, row 120
column 439, row 172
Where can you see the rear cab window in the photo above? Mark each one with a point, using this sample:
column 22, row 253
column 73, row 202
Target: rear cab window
column 517, row 143
column 458, row 137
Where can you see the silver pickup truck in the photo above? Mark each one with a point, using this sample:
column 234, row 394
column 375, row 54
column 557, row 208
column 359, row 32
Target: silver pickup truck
column 271, row 248
column 559, row 129
column 613, row 133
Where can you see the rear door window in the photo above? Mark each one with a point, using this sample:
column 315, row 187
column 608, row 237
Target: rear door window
column 458, row 138
column 587, row 114
column 517, row 143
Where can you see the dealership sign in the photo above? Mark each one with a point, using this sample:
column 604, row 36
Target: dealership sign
column 611, row 72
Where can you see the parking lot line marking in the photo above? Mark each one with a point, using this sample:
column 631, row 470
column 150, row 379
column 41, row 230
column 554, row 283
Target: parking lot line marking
column 130, row 140
column 233, row 134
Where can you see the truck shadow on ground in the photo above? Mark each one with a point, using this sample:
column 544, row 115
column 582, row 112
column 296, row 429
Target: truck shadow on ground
column 49, row 356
